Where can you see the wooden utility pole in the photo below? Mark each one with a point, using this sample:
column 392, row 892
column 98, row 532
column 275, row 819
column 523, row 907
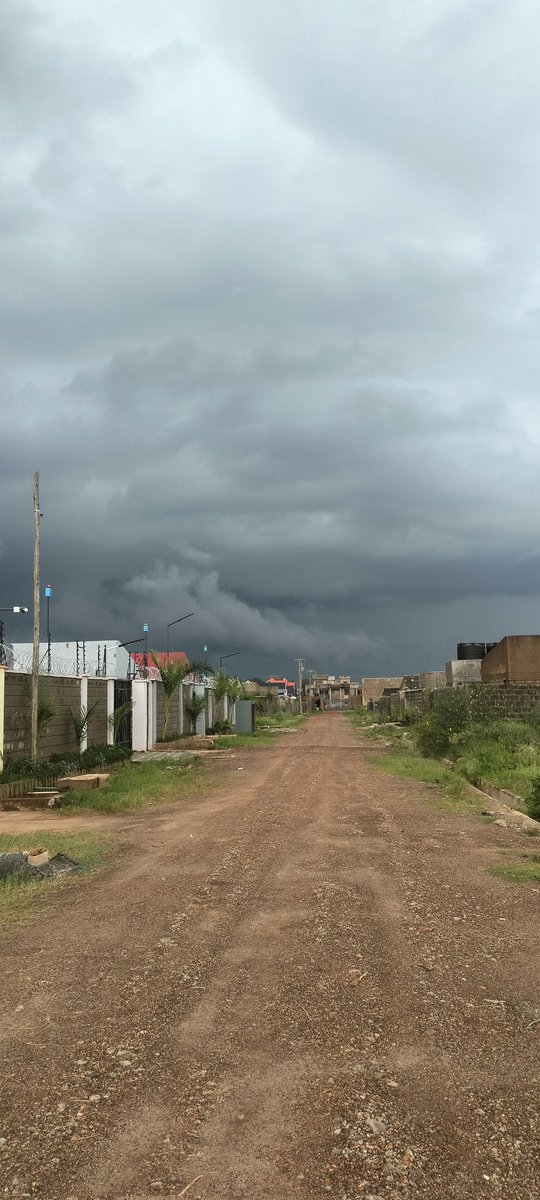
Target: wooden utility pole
column 300, row 663
column 35, row 654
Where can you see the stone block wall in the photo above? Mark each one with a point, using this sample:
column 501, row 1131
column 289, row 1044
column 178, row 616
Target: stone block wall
column 59, row 735
column 173, row 726
column 97, row 725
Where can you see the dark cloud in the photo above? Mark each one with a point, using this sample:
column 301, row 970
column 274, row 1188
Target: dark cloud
column 269, row 312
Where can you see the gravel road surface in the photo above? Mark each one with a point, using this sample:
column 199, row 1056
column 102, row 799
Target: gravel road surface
column 303, row 984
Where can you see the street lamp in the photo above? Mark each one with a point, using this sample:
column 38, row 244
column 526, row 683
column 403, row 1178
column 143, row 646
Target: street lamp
column 145, row 631
column 124, row 645
column 177, row 622
column 224, row 656
column 15, row 608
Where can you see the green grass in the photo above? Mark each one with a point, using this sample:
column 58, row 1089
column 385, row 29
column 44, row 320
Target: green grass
column 281, row 720
column 250, row 740
column 143, row 784
column 17, row 894
column 264, row 737
column 523, row 872
column 450, row 790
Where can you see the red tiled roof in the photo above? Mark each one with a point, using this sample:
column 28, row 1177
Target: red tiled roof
column 160, row 655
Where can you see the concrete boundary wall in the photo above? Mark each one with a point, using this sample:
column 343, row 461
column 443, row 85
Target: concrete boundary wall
column 58, row 734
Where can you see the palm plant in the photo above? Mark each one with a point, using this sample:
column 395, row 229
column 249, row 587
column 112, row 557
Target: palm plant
column 80, row 721
column 221, row 684
column 46, row 708
column 172, row 675
column 116, row 718
column 194, row 707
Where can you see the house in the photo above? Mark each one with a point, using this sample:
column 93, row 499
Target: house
column 373, row 687
column 331, row 691
column 284, row 689
column 515, row 659
column 254, row 687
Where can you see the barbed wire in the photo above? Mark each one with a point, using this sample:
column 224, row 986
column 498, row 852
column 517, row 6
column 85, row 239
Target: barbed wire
column 21, row 662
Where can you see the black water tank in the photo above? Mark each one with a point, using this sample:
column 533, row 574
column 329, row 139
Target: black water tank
column 471, row 650
column 490, row 646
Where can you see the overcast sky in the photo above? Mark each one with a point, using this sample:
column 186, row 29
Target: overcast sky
column 270, row 323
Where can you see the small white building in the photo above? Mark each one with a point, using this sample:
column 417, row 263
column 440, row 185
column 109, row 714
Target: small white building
column 103, row 658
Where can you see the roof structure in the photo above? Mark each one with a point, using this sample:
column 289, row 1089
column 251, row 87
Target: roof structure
column 176, row 656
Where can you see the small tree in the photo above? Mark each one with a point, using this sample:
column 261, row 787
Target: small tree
column 46, row 706
column 221, row 684
column 194, row 707
column 116, row 718
column 235, row 691
column 172, row 675
column 80, row 721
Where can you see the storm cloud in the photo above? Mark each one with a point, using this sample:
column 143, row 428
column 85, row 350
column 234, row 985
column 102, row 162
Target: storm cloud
column 269, row 315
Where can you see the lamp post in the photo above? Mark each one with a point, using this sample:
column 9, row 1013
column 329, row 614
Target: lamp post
column 48, row 594
column 124, row 645
column 177, row 622
column 145, row 631
column 15, row 608
column 224, row 656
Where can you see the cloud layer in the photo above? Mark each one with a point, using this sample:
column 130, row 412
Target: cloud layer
column 269, row 309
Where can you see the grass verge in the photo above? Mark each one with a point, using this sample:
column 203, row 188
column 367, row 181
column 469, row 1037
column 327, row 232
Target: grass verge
column 523, row 872
column 143, row 784
column 17, row 894
column 267, row 732
column 450, row 791
column 398, row 756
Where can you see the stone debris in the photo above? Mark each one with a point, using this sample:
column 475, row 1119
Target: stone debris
column 19, row 863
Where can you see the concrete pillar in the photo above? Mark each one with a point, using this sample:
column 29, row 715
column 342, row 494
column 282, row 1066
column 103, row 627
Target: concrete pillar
column 2, row 702
column 84, row 704
column 151, row 723
column 201, row 720
column 110, row 712
column 139, row 693
column 181, row 711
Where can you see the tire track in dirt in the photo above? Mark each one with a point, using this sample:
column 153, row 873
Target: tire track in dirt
column 286, row 1006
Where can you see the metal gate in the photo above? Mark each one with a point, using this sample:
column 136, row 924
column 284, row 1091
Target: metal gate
column 122, row 695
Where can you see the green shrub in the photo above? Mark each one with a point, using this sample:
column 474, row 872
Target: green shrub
column 62, row 764
column 533, row 802
column 450, row 715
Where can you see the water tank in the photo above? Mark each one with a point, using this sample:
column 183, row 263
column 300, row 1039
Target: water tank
column 471, row 650
column 490, row 646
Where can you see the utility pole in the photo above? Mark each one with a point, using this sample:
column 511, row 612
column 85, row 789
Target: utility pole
column 300, row 664
column 35, row 650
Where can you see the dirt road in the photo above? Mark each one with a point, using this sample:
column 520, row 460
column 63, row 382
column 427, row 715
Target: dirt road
column 302, row 985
